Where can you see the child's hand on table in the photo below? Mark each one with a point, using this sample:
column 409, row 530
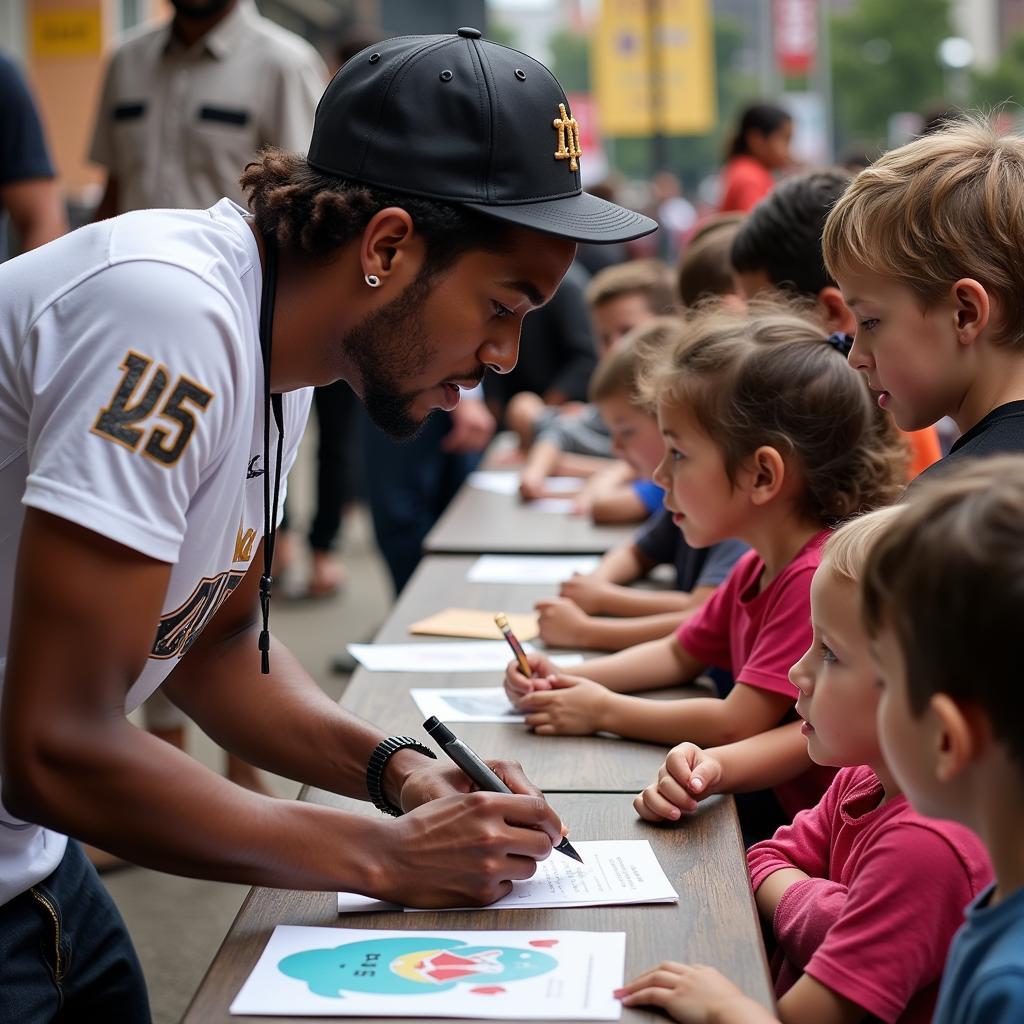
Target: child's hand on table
column 562, row 623
column 586, row 591
column 687, row 775
column 570, row 706
column 693, row 995
column 531, row 485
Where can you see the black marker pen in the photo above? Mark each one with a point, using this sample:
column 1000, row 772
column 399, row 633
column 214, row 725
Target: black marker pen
column 471, row 764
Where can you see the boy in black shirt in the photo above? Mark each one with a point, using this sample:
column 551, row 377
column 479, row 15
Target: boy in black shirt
column 925, row 245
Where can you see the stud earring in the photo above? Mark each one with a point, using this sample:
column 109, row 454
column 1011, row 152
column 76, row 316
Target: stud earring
column 372, row 280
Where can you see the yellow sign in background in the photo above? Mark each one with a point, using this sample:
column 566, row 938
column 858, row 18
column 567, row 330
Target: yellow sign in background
column 684, row 54
column 67, row 33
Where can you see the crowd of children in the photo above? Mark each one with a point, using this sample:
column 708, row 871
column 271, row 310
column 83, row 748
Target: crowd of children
column 859, row 631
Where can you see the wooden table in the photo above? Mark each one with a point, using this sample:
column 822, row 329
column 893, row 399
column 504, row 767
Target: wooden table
column 480, row 521
column 713, row 923
column 556, row 764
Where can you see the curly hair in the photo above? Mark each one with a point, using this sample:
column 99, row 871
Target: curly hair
column 312, row 215
column 769, row 377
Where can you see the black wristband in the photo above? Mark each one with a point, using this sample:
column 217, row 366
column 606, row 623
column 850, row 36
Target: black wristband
column 383, row 753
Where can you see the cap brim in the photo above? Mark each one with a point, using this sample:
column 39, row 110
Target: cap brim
column 582, row 218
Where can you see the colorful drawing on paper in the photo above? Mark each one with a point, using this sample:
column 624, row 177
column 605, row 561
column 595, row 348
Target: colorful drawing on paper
column 416, row 966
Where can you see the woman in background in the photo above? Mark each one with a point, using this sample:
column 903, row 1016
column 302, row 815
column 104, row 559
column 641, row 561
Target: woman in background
column 759, row 148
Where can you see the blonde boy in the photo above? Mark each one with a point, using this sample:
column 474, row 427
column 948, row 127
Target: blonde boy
column 926, row 247
column 943, row 597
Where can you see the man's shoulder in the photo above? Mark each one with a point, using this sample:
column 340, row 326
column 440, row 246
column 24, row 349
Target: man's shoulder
column 141, row 263
column 282, row 46
column 141, row 41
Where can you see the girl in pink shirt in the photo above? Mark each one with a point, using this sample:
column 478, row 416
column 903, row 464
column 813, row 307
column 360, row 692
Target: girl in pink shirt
column 862, row 892
column 770, row 438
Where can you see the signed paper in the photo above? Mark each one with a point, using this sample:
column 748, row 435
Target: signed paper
column 614, row 871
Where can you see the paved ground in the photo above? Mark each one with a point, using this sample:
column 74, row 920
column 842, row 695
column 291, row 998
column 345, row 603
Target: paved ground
column 178, row 923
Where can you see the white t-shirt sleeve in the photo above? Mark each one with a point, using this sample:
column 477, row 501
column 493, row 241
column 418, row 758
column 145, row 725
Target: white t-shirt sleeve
column 296, row 414
column 134, row 378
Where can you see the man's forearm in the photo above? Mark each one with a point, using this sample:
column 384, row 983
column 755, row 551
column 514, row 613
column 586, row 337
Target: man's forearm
column 282, row 722
column 142, row 799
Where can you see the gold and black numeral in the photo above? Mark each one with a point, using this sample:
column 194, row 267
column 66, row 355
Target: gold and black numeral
column 174, row 409
column 135, row 400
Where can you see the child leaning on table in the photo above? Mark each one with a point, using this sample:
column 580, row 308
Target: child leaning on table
column 771, row 438
column 944, row 603
column 862, row 892
column 634, row 616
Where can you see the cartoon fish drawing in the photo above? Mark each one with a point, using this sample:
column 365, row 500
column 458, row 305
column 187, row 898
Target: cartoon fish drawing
column 413, row 965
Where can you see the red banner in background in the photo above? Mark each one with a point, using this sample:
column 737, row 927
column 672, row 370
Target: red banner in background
column 795, row 25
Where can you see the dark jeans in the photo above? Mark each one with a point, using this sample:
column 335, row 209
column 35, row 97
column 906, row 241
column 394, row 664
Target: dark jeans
column 409, row 485
column 65, row 954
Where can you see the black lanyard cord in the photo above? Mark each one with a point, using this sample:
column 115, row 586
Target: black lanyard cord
column 269, row 401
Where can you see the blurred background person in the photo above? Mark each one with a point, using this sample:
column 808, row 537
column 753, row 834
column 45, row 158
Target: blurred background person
column 29, row 194
column 759, row 149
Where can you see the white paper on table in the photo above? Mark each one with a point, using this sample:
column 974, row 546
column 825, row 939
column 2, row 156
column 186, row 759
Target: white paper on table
column 506, row 482
column 551, row 506
column 471, row 704
column 495, row 481
column 540, row 569
column 614, row 871
column 564, row 484
column 458, row 656
column 349, row 972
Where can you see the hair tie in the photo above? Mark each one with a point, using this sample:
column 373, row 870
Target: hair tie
column 841, row 342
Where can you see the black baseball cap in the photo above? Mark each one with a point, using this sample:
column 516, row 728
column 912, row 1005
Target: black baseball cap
column 465, row 120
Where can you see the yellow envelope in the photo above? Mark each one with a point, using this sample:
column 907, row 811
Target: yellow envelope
column 475, row 624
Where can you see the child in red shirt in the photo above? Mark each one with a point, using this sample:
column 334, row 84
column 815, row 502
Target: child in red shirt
column 770, row 438
column 759, row 149
column 863, row 893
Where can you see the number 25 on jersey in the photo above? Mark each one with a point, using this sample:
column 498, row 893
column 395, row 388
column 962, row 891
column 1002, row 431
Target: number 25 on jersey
column 137, row 399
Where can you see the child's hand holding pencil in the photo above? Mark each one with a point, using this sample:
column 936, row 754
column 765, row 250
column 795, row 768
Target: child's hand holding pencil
column 518, row 684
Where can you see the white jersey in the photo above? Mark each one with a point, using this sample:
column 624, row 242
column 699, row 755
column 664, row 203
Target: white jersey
column 131, row 403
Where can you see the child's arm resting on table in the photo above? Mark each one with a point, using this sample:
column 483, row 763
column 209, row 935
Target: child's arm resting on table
column 623, row 564
column 539, row 465
column 564, row 624
column 690, row 773
column 693, row 995
column 649, row 666
column 570, row 704
column 700, row 995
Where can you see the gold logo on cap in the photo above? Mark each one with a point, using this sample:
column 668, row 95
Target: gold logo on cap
column 568, row 132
